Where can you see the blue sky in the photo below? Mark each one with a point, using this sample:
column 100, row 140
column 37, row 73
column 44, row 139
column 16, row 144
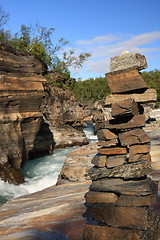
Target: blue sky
column 101, row 27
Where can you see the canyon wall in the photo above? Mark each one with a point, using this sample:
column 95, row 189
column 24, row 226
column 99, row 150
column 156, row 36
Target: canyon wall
column 24, row 134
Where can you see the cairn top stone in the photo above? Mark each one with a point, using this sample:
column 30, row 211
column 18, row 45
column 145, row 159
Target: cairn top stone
column 126, row 60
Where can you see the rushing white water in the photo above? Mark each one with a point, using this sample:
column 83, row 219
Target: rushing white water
column 89, row 131
column 40, row 173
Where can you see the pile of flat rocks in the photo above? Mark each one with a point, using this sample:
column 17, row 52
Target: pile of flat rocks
column 122, row 193
column 126, row 81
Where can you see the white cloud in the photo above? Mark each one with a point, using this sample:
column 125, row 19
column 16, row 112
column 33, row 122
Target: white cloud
column 100, row 39
column 102, row 48
column 101, row 66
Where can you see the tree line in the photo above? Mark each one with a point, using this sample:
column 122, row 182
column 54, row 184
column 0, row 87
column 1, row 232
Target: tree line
column 96, row 89
column 37, row 41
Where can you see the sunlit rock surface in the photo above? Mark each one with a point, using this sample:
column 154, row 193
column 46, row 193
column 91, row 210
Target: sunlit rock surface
column 77, row 164
column 54, row 213
column 21, row 122
column 58, row 212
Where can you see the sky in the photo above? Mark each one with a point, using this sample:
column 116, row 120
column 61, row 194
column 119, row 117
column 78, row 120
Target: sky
column 100, row 27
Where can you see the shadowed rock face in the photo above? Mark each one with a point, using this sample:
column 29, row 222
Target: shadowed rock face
column 21, row 122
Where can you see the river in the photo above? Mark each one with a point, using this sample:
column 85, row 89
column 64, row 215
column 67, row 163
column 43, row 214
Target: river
column 40, row 173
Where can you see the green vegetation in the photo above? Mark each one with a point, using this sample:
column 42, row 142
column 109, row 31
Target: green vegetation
column 91, row 89
column 37, row 41
column 152, row 78
column 97, row 89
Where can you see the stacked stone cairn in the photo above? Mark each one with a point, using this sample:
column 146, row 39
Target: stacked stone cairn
column 121, row 195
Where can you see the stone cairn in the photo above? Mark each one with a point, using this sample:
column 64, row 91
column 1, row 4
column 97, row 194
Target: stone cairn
column 121, row 195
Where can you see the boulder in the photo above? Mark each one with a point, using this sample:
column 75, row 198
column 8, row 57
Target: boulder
column 126, row 60
column 77, row 164
column 67, row 136
column 125, row 108
column 135, row 136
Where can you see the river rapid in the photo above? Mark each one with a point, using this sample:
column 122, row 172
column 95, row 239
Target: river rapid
column 40, row 173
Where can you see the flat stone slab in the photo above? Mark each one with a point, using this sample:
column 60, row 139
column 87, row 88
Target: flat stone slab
column 150, row 95
column 117, row 185
column 117, row 216
column 126, row 171
column 100, row 197
column 112, row 151
column 113, row 161
column 107, row 233
column 134, row 122
column 127, row 80
column 99, row 160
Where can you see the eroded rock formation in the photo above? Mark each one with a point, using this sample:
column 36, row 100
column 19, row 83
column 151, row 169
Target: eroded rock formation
column 76, row 164
column 65, row 116
column 121, row 194
column 24, row 134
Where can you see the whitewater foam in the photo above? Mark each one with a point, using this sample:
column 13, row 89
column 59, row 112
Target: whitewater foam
column 40, row 173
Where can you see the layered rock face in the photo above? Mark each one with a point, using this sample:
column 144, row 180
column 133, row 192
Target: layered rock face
column 65, row 116
column 24, row 134
column 121, row 194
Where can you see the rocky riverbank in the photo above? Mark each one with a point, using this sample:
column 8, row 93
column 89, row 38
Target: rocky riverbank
column 21, row 122
column 58, row 212
column 65, row 116
column 35, row 117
